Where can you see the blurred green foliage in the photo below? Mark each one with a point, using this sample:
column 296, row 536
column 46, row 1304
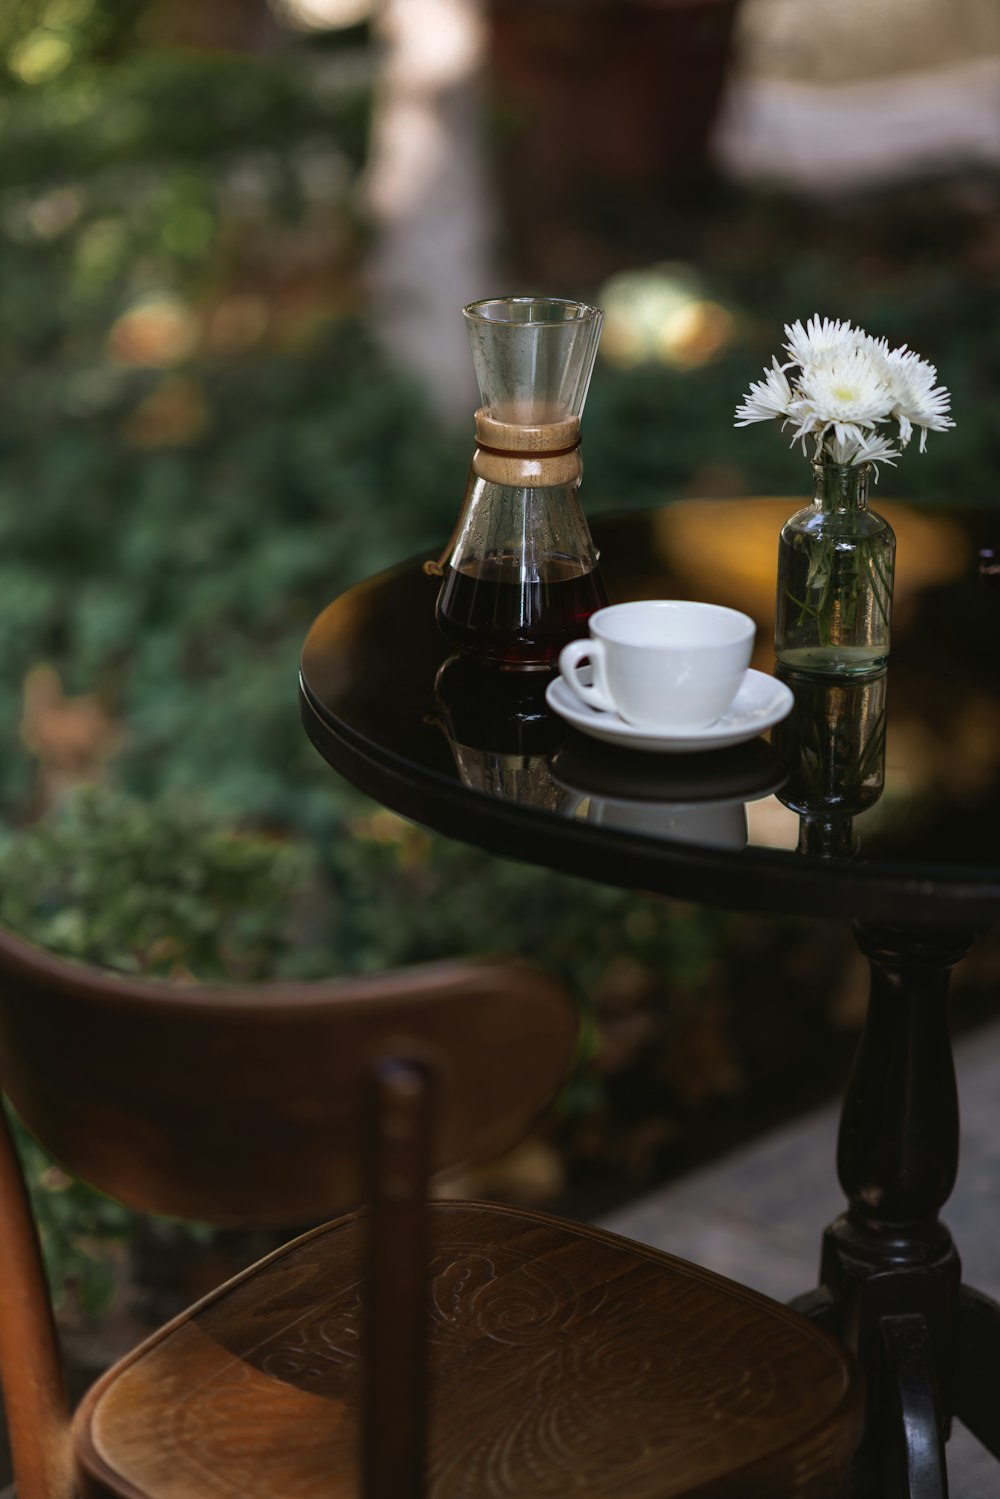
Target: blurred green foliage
column 157, row 888
column 78, row 1228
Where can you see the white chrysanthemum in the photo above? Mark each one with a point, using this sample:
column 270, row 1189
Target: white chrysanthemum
column 766, row 398
column 821, row 341
column 846, row 384
column 875, row 448
column 843, row 398
column 917, row 400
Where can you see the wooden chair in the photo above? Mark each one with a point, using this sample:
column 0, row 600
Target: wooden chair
column 459, row 1350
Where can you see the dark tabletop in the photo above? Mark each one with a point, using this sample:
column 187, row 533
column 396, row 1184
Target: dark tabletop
column 879, row 800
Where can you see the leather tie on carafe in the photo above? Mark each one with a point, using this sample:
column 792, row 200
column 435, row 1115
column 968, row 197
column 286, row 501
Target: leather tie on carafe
column 521, row 456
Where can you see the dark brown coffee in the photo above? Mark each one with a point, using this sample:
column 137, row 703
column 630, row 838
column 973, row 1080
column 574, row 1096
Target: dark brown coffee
column 517, row 615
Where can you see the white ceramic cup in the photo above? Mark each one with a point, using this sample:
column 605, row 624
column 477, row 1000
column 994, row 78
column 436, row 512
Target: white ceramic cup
column 668, row 664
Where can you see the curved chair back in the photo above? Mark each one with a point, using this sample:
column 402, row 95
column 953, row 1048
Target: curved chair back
column 241, row 1105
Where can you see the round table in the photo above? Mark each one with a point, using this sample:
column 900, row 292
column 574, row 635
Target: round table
column 877, row 801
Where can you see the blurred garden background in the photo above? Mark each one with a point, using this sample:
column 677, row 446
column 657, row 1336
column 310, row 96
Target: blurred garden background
column 235, row 240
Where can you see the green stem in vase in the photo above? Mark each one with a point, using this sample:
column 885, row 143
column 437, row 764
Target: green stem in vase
column 835, row 578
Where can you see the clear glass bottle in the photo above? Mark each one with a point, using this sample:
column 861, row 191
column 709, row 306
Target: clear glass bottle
column 520, row 574
column 835, row 570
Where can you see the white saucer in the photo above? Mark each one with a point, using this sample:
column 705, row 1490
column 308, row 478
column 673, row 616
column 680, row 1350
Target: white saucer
column 761, row 702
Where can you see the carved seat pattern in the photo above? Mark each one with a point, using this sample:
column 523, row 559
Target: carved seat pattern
column 562, row 1362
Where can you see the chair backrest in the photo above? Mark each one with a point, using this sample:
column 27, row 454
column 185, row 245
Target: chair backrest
column 276, row 1103
column 241, row 1105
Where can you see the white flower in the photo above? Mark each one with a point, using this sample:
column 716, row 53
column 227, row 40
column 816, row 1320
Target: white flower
column 820, row 341
column 844, row 396
column 843, row 385
column 876, row 449
column 766, row 399
column 917, row 401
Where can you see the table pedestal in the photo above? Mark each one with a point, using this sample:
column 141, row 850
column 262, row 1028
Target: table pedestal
column 891, row 1276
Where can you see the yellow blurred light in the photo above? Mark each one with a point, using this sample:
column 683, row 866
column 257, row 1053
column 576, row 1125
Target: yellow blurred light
column 40, row 56
column 695, row 334
column 662, row 314
column 322, row 15
column 157, row 333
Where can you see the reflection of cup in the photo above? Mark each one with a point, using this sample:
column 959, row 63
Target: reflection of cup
column 699, row 799
column 721, row 824
column 668, row 664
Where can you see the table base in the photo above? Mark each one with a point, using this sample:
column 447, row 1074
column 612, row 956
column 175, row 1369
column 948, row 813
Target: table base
column 890, row 1274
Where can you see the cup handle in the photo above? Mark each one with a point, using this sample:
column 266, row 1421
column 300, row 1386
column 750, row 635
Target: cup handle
column 595, row 695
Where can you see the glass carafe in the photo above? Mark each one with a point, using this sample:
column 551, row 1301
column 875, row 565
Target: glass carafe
column 520, row 575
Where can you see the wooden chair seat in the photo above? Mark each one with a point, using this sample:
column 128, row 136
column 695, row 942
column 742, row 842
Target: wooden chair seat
column 563, row 1360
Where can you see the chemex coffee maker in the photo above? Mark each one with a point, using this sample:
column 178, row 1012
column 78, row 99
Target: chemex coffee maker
column 520, row 576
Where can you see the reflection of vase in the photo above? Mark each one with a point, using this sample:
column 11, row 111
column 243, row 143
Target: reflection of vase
column 833, row 746
column 835, row 571
column 521, row 577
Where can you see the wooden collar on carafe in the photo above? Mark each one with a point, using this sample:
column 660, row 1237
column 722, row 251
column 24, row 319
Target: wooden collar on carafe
column 529, row 455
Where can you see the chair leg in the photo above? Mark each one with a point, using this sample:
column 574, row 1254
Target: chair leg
column 394, row 1403
column 977, row 1374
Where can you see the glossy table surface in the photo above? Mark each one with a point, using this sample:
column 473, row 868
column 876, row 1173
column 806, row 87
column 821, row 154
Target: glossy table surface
column 879, row 800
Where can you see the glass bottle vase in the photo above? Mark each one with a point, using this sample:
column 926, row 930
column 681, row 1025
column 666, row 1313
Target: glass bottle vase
column 835, row 571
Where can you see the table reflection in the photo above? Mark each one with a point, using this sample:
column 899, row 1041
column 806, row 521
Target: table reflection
column 825, row 762
column 506, row 742
column 833, row 748
column 698, row 798
column 500, row 732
